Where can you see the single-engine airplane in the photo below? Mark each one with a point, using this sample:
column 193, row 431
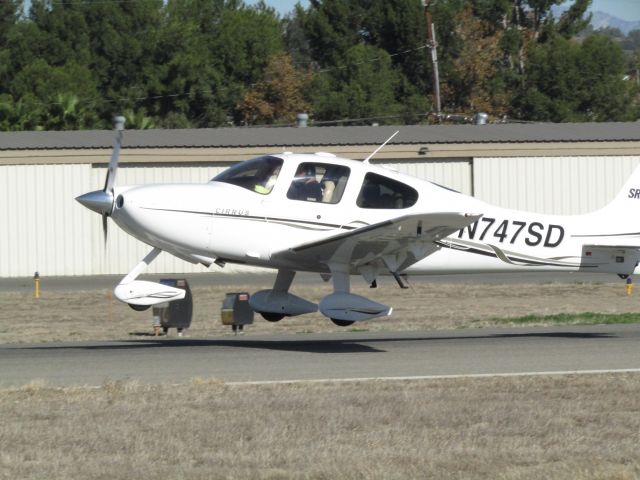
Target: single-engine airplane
column 339, row 217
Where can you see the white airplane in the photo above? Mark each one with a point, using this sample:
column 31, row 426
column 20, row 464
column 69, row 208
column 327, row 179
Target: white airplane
column 340, row 217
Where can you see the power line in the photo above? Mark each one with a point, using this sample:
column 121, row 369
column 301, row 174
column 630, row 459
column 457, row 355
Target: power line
column 211, row 91
column 374, row 59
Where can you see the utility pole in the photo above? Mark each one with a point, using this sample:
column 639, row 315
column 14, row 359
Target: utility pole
column 431, row 43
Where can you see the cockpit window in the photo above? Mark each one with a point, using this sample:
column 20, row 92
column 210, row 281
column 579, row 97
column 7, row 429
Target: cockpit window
column 382, row 192
column 318, row 182
column 258, row 175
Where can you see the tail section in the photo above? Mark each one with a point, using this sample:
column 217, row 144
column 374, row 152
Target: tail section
column 627, row 203
column 611, row 235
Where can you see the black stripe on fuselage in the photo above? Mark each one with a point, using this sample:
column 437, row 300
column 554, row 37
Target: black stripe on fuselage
column 253, row 217
column 513, row 258
column 608, row 235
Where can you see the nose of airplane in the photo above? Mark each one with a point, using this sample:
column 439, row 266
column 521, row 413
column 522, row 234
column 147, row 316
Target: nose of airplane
column 99, row 201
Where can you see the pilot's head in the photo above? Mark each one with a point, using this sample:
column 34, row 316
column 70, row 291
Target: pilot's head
column 306, row 170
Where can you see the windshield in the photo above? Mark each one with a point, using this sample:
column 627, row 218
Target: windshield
column 258, row 175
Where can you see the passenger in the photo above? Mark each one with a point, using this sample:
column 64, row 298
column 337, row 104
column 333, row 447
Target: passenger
column 329, row 182
column 305, row 186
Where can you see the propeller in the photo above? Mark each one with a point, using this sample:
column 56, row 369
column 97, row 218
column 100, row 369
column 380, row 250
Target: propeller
column 101, row 201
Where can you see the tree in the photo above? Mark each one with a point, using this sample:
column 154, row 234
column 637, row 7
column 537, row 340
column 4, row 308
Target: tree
column 18, row 115
column 296, row 41
column 188, row 82
column 551, row 83
column 333, row 27
column 9, row 13
column 124, row 38
column 364, row 88
column 138, row 120
column 398, row 27
column 59, row 94
column 632, row 41
column 241, row 45
column 568, row 81
column 573, row 21
column 279, row 97
column 211, row 51
column 603, row 94
column 64, row 113
column 472, row 85
column 204, row 63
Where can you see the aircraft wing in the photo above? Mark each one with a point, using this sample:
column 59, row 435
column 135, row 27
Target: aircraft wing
column 391, row 245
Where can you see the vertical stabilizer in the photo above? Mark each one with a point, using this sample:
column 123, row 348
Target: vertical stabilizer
column 628, row 198
column 619, row 221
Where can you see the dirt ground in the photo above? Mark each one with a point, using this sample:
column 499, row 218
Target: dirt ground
column 94, row 314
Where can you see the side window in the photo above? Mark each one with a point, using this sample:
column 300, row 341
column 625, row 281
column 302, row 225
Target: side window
column 318, row 182
column 259, row 174
column 382, row 192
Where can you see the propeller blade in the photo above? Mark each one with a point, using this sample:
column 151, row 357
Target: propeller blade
column 115, row 155
column 105, row 222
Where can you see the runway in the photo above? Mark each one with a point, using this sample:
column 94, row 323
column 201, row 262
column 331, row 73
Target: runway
column 344, row 355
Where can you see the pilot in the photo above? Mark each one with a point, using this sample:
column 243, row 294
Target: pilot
column 305, row 186
column 266, row 177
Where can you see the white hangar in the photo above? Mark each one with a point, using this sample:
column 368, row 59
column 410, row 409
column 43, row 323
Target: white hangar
column 548, row 168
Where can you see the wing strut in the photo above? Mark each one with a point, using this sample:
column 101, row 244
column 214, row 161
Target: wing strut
column 400, row 281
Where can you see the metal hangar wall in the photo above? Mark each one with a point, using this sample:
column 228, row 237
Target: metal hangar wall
column 551, row 169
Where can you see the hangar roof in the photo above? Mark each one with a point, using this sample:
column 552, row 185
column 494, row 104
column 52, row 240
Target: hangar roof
column 292, row 136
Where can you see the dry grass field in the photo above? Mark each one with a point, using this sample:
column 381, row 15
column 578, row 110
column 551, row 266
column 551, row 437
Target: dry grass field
column 95, row 315
column 558, row 427
column 539, row 427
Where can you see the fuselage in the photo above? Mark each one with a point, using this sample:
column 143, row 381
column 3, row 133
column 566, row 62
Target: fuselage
column 273, row 205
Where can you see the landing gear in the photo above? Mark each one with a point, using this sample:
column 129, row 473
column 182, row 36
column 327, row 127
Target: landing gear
column 276, row 303
column 342, row 323
column 139, row 308
column 141, row 294
column 343, row 307
column 272, row 317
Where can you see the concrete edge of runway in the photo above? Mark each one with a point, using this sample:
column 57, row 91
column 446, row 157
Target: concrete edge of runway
column 437, row 377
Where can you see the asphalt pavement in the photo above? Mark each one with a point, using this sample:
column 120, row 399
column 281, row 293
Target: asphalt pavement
column 343, row 355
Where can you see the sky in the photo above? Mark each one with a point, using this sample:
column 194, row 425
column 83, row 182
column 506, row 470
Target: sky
column 283, row 6
column 623, row 9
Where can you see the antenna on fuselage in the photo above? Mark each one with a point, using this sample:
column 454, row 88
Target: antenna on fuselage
column 366, row 160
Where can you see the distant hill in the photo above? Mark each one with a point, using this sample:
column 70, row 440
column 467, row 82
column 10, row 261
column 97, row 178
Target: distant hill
column 602, row 20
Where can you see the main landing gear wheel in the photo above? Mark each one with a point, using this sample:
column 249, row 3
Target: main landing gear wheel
column 342, row 323
column 139, row 308
column 272, row 317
